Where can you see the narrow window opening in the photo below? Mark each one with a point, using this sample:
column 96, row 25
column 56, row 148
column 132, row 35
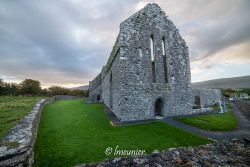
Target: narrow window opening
column 165, row 68
column 111, row 91
column 140, row 52
column 164, row 60
column 163, row 46
column 152, row 47
column 152, row 57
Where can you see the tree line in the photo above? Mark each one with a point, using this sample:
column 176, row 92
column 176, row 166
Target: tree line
column 228, row 92
column 33, row 87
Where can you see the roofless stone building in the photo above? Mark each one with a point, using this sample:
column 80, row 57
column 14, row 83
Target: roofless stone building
column 148, row 71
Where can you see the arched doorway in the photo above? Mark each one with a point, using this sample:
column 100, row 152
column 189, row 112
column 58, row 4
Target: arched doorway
column 98, row 97
column 159, row 107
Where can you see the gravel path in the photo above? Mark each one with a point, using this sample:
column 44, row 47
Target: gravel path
column 242, row 130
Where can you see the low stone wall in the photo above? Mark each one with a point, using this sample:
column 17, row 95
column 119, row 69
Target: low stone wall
column 63, row 97
column 244, row 106
column 202, row 110
column 16, row 149
column 224, row 153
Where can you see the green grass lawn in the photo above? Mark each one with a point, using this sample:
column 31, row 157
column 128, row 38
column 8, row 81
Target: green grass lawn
column 214, row 122
column 72, row 132
column 12, row 109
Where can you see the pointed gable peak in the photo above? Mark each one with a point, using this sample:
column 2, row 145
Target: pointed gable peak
column 152, row 6
column 150, row 10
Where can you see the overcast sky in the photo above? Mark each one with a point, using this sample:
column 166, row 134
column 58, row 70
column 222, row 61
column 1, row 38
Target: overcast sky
column 66, row 42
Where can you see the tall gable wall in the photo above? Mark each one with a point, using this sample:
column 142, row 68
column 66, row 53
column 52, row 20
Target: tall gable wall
column 127, row 83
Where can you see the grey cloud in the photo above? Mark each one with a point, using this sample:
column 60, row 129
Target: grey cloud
column 69, row 41
column 39, row 38
column 211, row 26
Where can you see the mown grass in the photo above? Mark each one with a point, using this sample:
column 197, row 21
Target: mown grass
column 13, row 109
column 72, row 132
column 214, row 122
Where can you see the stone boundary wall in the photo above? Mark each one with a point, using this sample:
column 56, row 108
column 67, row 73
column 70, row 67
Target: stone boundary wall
column 63, row 97
column 16, row 149
column 202, row 110
column 244, row 106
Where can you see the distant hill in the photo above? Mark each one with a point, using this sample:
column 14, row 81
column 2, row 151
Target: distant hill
column 85, row 87
column 236, row 82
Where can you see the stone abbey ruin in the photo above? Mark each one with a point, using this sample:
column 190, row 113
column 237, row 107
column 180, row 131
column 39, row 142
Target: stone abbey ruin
column 148, row 71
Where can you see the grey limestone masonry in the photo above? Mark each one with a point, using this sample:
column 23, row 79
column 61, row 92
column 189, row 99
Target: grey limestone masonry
column 148, row 71
column 206, row 97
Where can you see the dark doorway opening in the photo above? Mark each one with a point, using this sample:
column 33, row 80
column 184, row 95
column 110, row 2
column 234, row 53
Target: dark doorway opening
column 158, row 107
column 197, row 102
column 98, row 97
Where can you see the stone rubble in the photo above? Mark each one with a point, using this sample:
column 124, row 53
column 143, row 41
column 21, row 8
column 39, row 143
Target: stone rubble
column 235, row 152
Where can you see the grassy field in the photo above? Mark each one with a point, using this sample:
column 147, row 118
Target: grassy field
column 12, row 109
column 72, row 132
column 214, row 122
